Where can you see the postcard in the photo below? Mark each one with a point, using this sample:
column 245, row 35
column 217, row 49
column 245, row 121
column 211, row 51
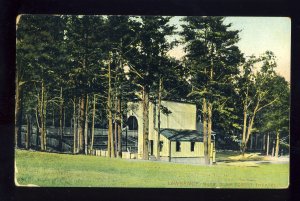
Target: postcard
column 152, row 101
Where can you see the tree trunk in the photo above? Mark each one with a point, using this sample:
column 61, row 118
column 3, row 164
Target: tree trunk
column 61, row 105
column 249, row 130
column 18, row 113
column 119, row 128
column 31, row 132
column 209, row 109
column 170, row 150
column 251, row 142
column 110, row 139
column 115, row 125
column 158, row 121
column 243, row 145
column 116, row 131
column 86, row 125
column 268, row 144
column 256, row 141
column 78, row 126
column 109, row 133
column 81, row 124
column 273, row 148
column 43, row 117
column 209, row 131
column 126, row 134
column 53, row 115
column 28, row 132
column 145, row 123
column 250, row 126
column 18, row 116
column 93, row 122
column 277, row 143
column 264, row 142
column 44, row 121
column 37, row 126
column 204, row 111
column 74, row 127
column 64, row 122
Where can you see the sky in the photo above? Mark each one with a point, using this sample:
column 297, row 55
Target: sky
column 257, row 35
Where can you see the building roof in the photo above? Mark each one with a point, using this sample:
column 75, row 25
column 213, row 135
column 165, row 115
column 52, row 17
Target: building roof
column 165, row 100
column 181, row 135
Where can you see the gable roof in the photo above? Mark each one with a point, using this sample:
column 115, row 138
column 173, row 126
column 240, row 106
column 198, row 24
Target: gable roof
column 181, row 135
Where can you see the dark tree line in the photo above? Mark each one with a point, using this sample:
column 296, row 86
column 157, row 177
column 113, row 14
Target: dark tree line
column 83, row 70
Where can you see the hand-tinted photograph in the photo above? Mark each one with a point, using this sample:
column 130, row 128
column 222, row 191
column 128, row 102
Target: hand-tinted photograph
column 152, row 101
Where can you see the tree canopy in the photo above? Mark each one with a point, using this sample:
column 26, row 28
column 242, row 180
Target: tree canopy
column 81, row 71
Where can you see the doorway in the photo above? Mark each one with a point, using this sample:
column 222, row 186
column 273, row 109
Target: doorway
column 151, row 147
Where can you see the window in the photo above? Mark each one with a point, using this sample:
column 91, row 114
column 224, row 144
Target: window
column 151, row 147
column 192, row 146
column 161, row 143
column 178, row 148
column 132, row 123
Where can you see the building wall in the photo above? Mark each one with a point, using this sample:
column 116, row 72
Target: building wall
column 183, row 116
column 165, row 148
column 152, row 120
column 136, row 109
column 185, row 148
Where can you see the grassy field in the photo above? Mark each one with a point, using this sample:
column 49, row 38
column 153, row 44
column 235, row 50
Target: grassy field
column 50, row 169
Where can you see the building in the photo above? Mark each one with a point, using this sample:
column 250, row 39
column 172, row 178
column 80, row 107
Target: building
column 180, row 140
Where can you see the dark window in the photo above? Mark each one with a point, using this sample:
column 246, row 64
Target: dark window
column 132, row 123
column 161, row 143
column 151, row 147
column 178, row 148
column 192, row 146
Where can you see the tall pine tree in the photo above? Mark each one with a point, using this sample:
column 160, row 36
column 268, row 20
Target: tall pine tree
column 213, row 59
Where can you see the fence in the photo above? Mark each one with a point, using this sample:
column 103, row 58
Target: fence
column 64, row 143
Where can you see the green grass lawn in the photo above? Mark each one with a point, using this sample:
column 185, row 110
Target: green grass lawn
column 50, row 169
column 224, row 155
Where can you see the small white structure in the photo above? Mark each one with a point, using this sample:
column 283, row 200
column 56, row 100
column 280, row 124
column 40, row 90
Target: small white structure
column 180, row 141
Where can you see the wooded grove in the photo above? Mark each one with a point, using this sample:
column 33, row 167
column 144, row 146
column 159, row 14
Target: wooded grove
column 81, row 71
